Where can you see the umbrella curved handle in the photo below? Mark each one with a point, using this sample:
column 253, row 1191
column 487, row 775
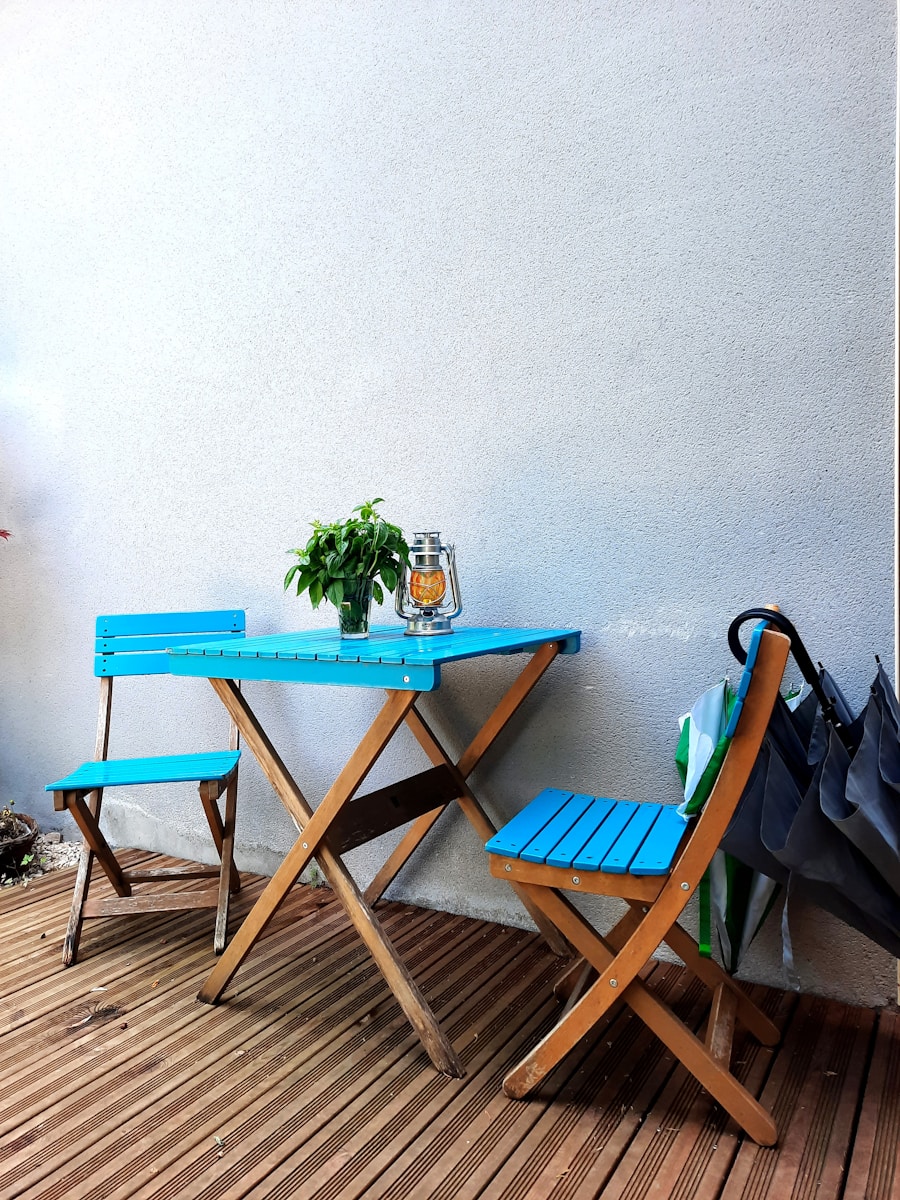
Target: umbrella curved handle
column 801, row 656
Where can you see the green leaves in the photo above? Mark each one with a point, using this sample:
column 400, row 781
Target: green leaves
column 362, row 547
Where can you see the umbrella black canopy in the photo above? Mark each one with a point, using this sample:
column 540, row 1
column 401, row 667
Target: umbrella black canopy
column 821, row 811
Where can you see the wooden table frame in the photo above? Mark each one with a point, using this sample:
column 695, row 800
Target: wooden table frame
column 344, row 821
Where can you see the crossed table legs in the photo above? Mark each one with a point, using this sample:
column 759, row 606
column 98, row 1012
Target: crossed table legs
column 342, row 822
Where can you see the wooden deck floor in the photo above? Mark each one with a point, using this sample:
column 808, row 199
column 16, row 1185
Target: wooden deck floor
column 308, row 1081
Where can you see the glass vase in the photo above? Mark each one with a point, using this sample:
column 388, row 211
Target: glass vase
column 353, row 614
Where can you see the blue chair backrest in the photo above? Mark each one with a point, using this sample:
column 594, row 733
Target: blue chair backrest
column 744, row 682
column 136, row 643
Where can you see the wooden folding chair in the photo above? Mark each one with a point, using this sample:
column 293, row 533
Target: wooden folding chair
column 651, row 857
column 136, row 645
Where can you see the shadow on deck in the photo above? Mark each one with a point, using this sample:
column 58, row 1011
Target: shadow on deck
column 307, row 1081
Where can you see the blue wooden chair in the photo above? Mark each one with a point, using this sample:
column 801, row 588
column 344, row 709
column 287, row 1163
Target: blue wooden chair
column 136, row 645
column 654, row 859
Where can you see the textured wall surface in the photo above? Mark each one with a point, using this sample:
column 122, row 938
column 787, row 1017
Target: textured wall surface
column 602, row 292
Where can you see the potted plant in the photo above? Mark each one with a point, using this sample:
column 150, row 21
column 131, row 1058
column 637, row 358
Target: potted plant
column 342, row 562
column 18, row 834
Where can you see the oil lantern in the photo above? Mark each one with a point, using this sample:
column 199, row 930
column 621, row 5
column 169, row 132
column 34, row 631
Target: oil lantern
column 422, row 593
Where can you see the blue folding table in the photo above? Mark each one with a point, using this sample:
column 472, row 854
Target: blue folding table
column 405, row 667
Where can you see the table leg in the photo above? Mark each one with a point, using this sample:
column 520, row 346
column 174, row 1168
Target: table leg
column 314, row 827
column 509, row 705
column 478, row 818
column 484, row 827
column 483, row 740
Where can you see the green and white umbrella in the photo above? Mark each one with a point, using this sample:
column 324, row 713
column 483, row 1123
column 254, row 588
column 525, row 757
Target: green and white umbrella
column 734, row 898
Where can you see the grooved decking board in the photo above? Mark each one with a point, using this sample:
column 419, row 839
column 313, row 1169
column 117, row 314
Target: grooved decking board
column 875, row 1167
column 307, row 1081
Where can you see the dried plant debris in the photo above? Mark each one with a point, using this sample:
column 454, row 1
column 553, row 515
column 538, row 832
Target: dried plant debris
column 48, row 854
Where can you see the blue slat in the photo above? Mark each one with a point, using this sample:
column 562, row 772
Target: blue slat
column 618, row 859
column 132, row 664
column 743, row 686
column 755, row 642
column 308, row 646
column 391, row 645
column 527, row 824
column 271, row 646
column 474, row 642
column 394, row 646
column 157, row 641
column 746, row 676
column 371, row 675
column 659, row 847
column 597, row 848
column 582, row 831
column 732, row 725
column 219, row 621
column 462, row 643
column 544, row 843
column 170, row 768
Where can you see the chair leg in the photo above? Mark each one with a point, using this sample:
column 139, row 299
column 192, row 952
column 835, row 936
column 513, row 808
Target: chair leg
column 72, row 939
column 87, row 821
column 229, row 832
column 720, row 1025
column 223, row 837
column 229, row 880
column 592, row 1006
column 709, row 971
column 573, row 983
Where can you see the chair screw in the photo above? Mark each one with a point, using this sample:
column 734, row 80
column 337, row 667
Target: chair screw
column 685, row 887
column 614, row 983
column 306, row 845
column 507, row 867
column 576, row 879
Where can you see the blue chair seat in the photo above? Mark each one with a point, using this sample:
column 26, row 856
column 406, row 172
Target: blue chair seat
column 592, row 833
column 168, row 768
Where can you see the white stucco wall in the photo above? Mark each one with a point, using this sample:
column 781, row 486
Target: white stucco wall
column 602, row 292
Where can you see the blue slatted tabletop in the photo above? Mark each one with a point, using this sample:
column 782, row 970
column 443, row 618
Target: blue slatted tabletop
column 387, row 658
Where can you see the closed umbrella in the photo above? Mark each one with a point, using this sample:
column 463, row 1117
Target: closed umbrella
column 820, row 811
column 867, row 808
column 733, row 897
